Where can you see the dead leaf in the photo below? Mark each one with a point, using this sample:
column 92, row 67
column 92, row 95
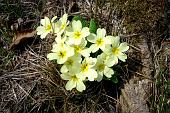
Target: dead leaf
column 21, row 36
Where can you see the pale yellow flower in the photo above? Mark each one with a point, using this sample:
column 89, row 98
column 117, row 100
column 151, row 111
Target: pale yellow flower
column 45, row 27
column 81, row 49
column 74, row 81
column 61, row 24
column 76, row 33
column 87, row 69
column 116, row 51
column 61, row 54
column 102, row 68
column 72, row 64
column 100, row 40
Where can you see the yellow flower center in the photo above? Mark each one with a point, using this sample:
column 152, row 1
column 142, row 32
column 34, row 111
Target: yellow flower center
column 63, row 26
column 74, row 78
column 101, row 67
column 69, row 62
column 48, row 27
column 99, row 42
column 84, row 67
column 77, row 34
column 77, row 48
column 115, row 51
column 62, row 54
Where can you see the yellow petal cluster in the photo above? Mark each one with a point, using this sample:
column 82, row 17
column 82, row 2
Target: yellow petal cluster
column 83, row 56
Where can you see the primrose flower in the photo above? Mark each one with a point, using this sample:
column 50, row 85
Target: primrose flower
column 72, row 64
column 73, row 46
column 102, row 68
column 87, row 68
column 61, row 24
column 115, row 51
column 76, row 33
column 99, row 40
column 61, row 54
column 60, row 40
column 74, row 81
column 45, row 27
column 81, row 49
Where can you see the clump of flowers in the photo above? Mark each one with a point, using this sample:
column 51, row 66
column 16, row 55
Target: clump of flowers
column 84, row 56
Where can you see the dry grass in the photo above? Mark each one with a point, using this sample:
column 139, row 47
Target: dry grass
column 30, row 83
column 34, row 85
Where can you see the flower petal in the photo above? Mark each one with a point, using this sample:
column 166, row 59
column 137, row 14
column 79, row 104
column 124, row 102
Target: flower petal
column 75, row 68
column 115, row 41
column 83, row 43
column 42, row 36
column 91, row 61
column 70, row 51
column 92, row 75
column 64, row 69
column 85, row 32
column 80, row 86
column 54, row 18
column 91, row 38
column 64, row 18
column 70, row 85
column 76, row 25
column 70, row 40
column 77, row 41
column 123, row 47
column 86, row 52
column 108, row 72
column 108, row 39
column 111, row 61
column 99, row 77
column 42, row 21
column 76, row 58
column 101, row 57
column 61, row 60
column 56, row 28
column 69, row 30
column 40, row 30
column 52, row 56
column 81, row 76
column 65, row 76
column 58, row 39
column 45, row 21
column 101, row 32
column 122, row 57
column 94, row 48
column 108, row 50
column 55, row 47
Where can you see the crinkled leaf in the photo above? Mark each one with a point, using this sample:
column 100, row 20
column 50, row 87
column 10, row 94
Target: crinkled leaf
column 114, row 79
column 93, row 26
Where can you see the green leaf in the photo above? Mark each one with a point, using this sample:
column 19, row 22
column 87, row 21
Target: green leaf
column 93, row 26
column 76, row 18
column 83, row 21
column 114, row 79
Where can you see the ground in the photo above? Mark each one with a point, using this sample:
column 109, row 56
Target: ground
column 30, row 83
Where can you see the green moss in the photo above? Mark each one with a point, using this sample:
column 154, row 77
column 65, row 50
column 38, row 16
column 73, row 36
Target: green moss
column 140, row 15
